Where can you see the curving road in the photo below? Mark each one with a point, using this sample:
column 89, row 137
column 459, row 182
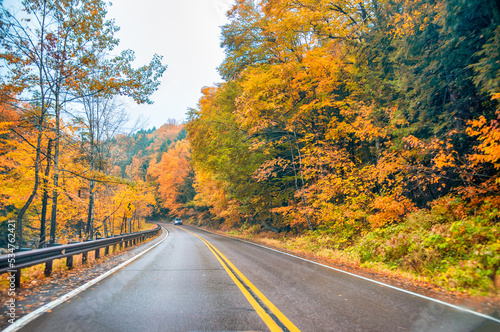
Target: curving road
column 198, row 281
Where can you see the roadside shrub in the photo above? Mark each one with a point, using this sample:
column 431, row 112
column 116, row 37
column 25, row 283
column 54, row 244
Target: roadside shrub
column 455, row 249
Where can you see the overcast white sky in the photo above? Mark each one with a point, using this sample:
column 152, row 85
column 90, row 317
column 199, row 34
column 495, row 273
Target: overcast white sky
column 187, row 34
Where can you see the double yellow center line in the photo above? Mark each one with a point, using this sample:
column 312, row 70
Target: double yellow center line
column 274, row 319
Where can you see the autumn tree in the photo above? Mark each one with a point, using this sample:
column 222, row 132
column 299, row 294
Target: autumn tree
column 225, row 163
column 24, row 54
column 360, row 112
column 58, row 52
column 171, row 174
column 103, row 118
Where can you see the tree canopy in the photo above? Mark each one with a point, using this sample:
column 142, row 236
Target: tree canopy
column 349, row 115
column 57, row 59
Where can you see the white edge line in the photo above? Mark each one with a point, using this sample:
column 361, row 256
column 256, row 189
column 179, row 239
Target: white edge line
column 23, row 321
column 368, row 279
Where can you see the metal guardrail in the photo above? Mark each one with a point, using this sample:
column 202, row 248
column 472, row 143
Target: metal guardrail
column 13, row 263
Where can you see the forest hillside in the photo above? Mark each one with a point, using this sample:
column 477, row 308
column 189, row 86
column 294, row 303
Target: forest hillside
column 364, row 130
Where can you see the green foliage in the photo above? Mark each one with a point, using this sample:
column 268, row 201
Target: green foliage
column 182, row 135
column 223, row 158
column 144, row 144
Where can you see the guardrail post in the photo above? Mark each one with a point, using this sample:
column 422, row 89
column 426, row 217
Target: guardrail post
column 97, row 254
column 69, row 262
column 84, row 257
column 17, row 278
column 106, row 251
column 48, row 268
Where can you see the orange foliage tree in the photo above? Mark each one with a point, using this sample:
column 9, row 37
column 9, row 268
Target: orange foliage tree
column 171, row 173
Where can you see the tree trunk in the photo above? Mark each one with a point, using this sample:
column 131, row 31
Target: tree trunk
column 296, row 175
column 80, row 225
column 45, row 198
column 26, row 205
column 53, row 219
column 90, row 211
column 105, row 226
column 41, row 82
column 123, row 227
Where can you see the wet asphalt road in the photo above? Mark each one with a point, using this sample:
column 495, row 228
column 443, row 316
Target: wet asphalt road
column 181, row 286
